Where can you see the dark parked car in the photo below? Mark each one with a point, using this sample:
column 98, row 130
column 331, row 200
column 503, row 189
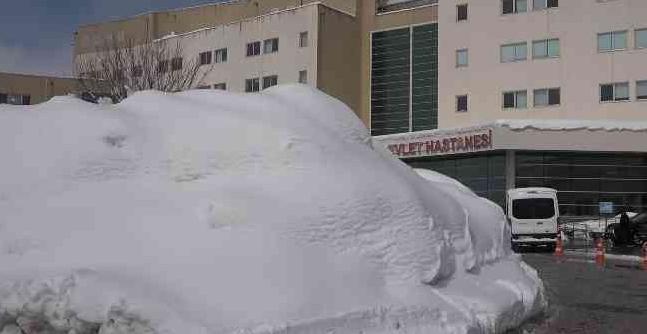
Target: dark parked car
column 635, row 231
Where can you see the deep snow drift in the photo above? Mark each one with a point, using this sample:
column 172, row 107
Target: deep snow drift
column 215, row 212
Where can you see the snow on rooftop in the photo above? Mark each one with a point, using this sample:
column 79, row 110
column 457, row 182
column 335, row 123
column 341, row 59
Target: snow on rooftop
column 214, row 212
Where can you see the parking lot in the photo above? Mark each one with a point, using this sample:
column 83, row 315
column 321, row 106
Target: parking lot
column 586, row 297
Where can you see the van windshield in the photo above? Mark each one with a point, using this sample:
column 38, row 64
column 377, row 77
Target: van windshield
column 533, row 208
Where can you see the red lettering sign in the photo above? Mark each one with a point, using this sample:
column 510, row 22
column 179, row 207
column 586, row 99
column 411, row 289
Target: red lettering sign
column 444, row 145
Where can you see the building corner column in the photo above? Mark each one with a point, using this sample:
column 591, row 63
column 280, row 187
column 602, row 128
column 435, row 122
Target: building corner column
column 510, row 169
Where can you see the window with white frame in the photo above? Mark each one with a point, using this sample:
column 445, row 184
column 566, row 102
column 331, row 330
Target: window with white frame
column 612, row 41
column 461, row 103
column 252, row 85
column 514, row 52
column 515, row 99
column 461, row 12
column 462, row 59
column 271, row 45
column 545, row 48
column 641, row 38
column 303, row 77
column 253, row 49
column 303, row 39
column 544, row 4
column 205, row 58
column 514, row 6
column 546, row 97
column 641, row 90
column 220, row 55
column 618, row 91
column 269, row 81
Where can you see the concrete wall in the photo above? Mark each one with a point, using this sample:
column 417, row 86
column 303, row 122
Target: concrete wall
column 145, row 27
column 369, row 22
column 39, row 88
column 578, row 71
column 338, row 56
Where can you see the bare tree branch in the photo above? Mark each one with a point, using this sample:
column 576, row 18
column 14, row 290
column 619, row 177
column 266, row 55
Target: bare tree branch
column 119, row 68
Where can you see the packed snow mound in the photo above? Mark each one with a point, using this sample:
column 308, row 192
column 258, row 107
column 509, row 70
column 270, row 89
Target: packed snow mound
column 216, row 212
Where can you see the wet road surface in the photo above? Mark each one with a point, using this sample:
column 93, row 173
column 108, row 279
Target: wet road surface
column 587, row 298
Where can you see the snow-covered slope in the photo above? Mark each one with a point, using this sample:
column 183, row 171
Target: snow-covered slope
column 215, row 212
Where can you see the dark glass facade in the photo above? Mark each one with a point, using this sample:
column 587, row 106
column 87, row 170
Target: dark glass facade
column 583, row 179
column 404, row 80
column 483, row 173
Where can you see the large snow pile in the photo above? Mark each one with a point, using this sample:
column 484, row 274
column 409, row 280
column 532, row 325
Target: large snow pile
column 214, row 212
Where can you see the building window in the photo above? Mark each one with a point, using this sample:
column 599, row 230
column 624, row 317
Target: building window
column 176, row 64
column 205, row 58
column 641, row 38
column 203, row 87
column 543, row 4
column 614, row 92
column 547, row 97
column 548, row 48
column 270, row 81
column 303, row 39
column 516, row 99
column 461, row 103
column 162, row 66
column 15, row 99
column 385, row 6
column 303, row 77
column 404, row 80
column 253, row 49
column 641, row 90
column 462, row 59
column 221, row 86
column 461, row 12
column 271, row 45
column 514, row 6
column 221, row 55
column 514, row 52
column 252, row 85
column 612, row 41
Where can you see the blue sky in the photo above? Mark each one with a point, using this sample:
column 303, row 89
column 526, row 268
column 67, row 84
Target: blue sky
column 36, row 35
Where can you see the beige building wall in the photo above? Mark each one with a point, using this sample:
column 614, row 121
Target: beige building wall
column 338, row 56
column 578, row 71
column 149, row 26
column 371, row 21
column 286, row 25
column 39, row 88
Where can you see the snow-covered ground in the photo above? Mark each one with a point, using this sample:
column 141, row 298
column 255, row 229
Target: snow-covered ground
column 216, row 212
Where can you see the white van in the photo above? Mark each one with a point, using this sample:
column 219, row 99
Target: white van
column 533, row 214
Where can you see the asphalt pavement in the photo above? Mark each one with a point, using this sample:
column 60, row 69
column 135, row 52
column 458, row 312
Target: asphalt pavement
column 585, row 297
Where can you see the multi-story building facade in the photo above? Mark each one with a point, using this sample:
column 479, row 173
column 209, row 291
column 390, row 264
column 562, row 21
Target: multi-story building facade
column 544, row 59
column 540, row 93
column 496, row 93
column 25, row 89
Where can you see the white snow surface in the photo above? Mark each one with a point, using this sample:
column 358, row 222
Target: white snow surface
column 571, row 124
column 217, row 212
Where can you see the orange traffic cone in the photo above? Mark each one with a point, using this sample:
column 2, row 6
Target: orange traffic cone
column 599, row 251
column 559, row 246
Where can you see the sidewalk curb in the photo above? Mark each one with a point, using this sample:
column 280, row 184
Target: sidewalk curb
column 632, row 258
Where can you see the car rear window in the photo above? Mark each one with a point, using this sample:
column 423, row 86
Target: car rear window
column 533, row 208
